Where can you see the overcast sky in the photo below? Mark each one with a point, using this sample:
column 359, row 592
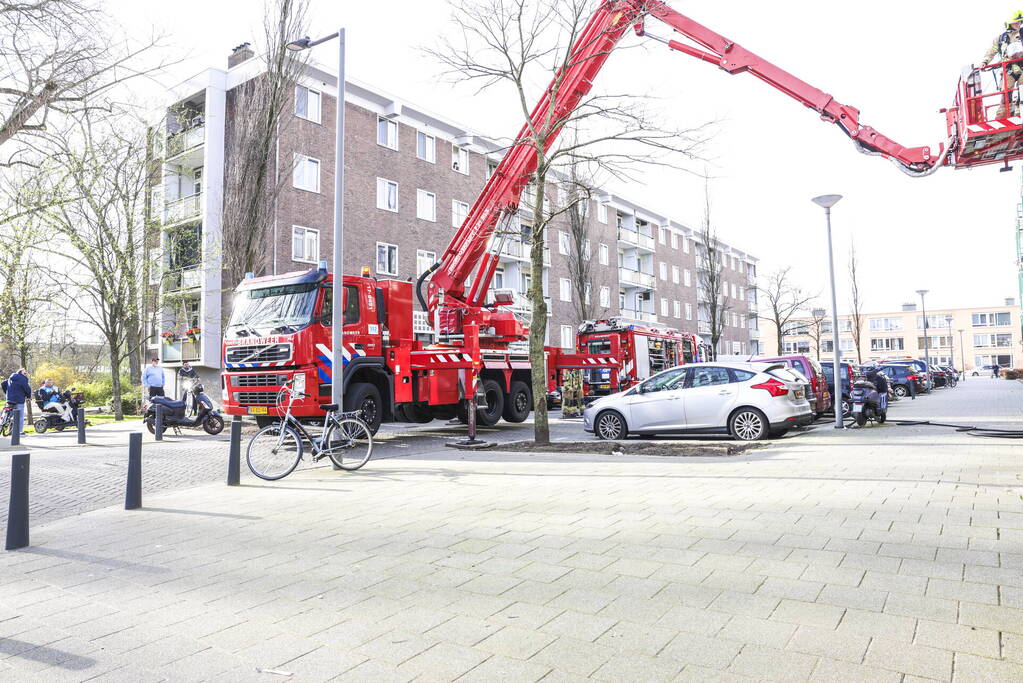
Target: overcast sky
column 952, row 233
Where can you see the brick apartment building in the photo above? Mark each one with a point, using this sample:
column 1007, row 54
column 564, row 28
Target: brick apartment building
column 410, row 178
column 983, row 335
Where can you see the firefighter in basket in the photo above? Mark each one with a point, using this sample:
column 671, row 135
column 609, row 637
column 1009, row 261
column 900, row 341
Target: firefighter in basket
column 1009, row 46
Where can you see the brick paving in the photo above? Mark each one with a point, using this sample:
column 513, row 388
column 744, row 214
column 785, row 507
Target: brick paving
column 888, row 553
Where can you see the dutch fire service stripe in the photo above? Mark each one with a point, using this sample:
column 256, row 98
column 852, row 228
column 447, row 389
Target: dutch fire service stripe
column 326, row 355
column 269, row 364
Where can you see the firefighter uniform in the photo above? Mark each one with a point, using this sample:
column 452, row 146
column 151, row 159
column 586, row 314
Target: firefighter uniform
column 1009, row 45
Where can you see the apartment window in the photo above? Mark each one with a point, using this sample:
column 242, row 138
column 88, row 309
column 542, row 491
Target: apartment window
column 733, row 291
column 724, row 289
column 662, row 235
column 664, row 271
column 689, row 311
column 306, row 175
column 1002, row 360
column 933, row 342
column 884, row 324
column 425, row 259
column 387, row 133
column 491, row 168
column 499, row 278
column 586, row 294
column 564, row 243
column 305, row 244
column 742, row 292
column 460, row 160
column 565, row 287
column 685, row 244
column 459, row 210
column 674, row 240
column 887, row 344
column 992, row 340
column 387, row 194
column 675, row 274
column 387, row 258
column 426, row 205
column 985, row 320
column 664, row 308
column 677, row 308
column 426, row 147
column 688, row 277
column 605, row 297
column 602, row 213
column 307, row 104
column 586, row 250
column 621, row 300
column 525, row 282
column 567, row 337
column 602, row 254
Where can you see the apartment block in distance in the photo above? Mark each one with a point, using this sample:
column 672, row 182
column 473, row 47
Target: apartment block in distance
column 410, row 178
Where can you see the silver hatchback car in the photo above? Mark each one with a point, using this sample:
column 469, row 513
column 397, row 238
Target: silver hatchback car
column 750, row 401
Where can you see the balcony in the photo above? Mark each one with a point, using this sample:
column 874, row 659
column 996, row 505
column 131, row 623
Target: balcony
column 185, row 278
column 183, row 209
column 636, row 239
column 180, row 350
column 190, row 138
column 642, row 316
column 703, row 327
column 635, row 278
column 519, row 251
column 754, row 334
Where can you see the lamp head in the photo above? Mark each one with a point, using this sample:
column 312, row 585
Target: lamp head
column 818, row 312
column 921, row 292
column 299, row 45
column 827, row 200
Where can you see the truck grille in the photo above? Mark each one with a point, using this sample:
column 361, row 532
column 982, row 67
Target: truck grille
column 256, row 398
column 258, row 380
column 258, row 353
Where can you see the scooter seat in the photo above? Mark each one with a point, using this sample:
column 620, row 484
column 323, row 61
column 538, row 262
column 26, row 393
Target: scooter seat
column 167, row 403
column 328, row 407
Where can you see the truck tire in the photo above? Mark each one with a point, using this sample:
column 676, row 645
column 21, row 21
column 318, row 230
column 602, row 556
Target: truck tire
column 518, row 402
column 365, row 397
column 410, row 412
column 489, row 413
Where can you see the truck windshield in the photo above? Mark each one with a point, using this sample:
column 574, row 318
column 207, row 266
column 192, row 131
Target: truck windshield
column 273, row 310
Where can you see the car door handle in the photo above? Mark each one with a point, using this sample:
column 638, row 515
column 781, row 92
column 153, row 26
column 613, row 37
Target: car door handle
column 674, row 398
column 725, row 392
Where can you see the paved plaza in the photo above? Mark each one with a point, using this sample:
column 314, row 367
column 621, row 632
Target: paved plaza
column 891, row 553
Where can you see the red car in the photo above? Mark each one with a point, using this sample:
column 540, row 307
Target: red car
column 819, row 396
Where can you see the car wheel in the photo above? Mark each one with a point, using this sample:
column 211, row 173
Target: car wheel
column 846, row 408
column 610, row 426
column 748, row 424
column 901, row 391
column 976, row 375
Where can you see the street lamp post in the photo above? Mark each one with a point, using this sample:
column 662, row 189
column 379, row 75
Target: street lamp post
column 337, row 289
column 826, row 202
column 927, row 341
column 962, row 352
column 951, row 346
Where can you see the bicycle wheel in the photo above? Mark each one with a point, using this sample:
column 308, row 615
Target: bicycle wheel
column 348, row 442
column 272, row 455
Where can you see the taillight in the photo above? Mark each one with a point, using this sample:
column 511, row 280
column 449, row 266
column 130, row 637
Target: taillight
column 773, row 387
column 913, row 377
column 813, row 383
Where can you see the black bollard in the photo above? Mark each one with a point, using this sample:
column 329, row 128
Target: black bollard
column 133, row 492
column 80, row 419
column 159, row 422
column 18, row 425
column 17, row 512
column 235, row 453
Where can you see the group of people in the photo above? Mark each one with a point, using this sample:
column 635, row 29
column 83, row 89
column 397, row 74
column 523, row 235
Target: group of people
column 153, row 379
column 1008, row 46
column 18, row 390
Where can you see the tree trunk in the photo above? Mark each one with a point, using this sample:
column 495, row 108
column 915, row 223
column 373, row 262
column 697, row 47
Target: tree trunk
column 538, row 325
column 135, row 350
column 23, row 355
column 115, row 382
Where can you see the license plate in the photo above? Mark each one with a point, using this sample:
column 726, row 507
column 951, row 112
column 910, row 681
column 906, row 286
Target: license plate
column 857, row 408
column 605, row 386
column 257, row 410
column 799, row 393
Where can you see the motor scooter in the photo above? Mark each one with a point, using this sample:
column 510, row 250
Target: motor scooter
column 206, row 416
column 867, row 403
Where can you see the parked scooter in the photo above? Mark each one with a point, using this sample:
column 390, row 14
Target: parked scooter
column 59, row 415
column 206, row 416
column 867, row 403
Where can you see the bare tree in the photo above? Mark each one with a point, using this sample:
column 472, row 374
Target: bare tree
column 521, row 43
column 712, row 304
column 856, row 301
column 256, row 173
column 60, row 57
column 784, row 300
column 816, row 330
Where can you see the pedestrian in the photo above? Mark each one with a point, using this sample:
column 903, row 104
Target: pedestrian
column 153, row 379
column 18, row 391
column 996, row 370
column 187, row 378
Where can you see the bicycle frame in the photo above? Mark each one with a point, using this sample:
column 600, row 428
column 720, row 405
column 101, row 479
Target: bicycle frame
column 316, row 444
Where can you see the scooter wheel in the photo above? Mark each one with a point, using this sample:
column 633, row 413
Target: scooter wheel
column 214, row 424
column 151, row 426
column 40, row 425
column 881, row 417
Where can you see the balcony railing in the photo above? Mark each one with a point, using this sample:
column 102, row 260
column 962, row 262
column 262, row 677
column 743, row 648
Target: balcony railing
column 185, row 278
column 180, row 350
column 644, row 316
column 183, row 209
column 636, row 239
column 754, row 334
column 185, row 140
column 634, row 277
column 520, row 250
column 703, row 327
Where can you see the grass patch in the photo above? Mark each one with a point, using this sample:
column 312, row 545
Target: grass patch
column 92, row 419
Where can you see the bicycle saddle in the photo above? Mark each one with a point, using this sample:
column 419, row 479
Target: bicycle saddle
column 328, row 407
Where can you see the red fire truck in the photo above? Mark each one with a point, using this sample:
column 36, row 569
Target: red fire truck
column 644, row 350
column 277, row 329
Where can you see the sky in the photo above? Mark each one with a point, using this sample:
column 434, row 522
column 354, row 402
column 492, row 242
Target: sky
column 898, row 63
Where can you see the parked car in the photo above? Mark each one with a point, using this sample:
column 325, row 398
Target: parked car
column 848, row 373
column 751, row 401
column 986, row 370
column 939, row 377
column 819, row 396
column 901, row 376
column 919, row 365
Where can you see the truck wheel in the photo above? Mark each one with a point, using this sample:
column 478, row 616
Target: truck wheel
column 489, row 413
column 365, row 397
column 517, row 403
column 410, row 412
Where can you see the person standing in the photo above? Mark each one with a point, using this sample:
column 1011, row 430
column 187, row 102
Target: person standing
column 187, row 378
column 996, row 370
column 1009, row 46
column 153, row 379
column 18, row 391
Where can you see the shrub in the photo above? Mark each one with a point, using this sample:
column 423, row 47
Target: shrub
column 1014, row 373
column 99, row 392
column 64, row 376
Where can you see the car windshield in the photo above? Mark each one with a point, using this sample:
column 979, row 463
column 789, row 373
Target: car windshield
column 273, row 310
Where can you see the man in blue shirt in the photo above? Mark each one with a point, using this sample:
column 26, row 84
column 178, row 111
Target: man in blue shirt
column 153, row 379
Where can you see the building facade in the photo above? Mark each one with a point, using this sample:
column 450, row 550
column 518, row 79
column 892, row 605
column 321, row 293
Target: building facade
column 985, row 335
column 410, row 178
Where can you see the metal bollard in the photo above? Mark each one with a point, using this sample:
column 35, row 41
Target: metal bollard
column 235, row 454
column 80, row 419
column 18, row 419
column 133, row 492
column 159, row 422
column 17, row 512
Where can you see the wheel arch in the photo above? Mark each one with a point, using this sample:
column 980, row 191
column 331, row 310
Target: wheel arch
column 373, row 371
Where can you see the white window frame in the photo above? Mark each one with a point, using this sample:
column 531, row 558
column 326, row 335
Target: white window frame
column 298, row 174
column 426, row 200
column 425, row 259
column 457, row 215
column 305, row 233
column 564, row 243
column 383, row 185
column 663, row 268
column 689, row 311
column 319, row 104
column 603, row 254
column 430, row 147
column 676, row 307
column 676, row 274
column 565, row 289
column 605, row 297
column 586, row 249
column 390, row 127
column 664, row 307
column 586, row 294
column 674, row 240
column 662, row 235
column 387, row 246
column 734, row 291
column 567, row 337
column 458, row 154
column 685, row 244
column 602, row 213
column 687, row 277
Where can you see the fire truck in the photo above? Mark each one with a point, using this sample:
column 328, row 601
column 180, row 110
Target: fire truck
column 642, row 348
column 278, row 332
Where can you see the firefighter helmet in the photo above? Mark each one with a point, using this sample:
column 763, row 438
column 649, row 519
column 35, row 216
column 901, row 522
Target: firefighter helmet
column 1017, row 17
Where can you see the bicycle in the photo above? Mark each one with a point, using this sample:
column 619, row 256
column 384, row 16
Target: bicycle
column 275, row 450
column 7, row 420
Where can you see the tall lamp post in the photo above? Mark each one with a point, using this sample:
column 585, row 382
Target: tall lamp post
column 927, row 341
column 337, row 290
column 962, row 352
column 826, row 202
column 951, row 346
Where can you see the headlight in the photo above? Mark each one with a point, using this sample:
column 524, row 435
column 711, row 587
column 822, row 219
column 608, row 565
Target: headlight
column 300, row 382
